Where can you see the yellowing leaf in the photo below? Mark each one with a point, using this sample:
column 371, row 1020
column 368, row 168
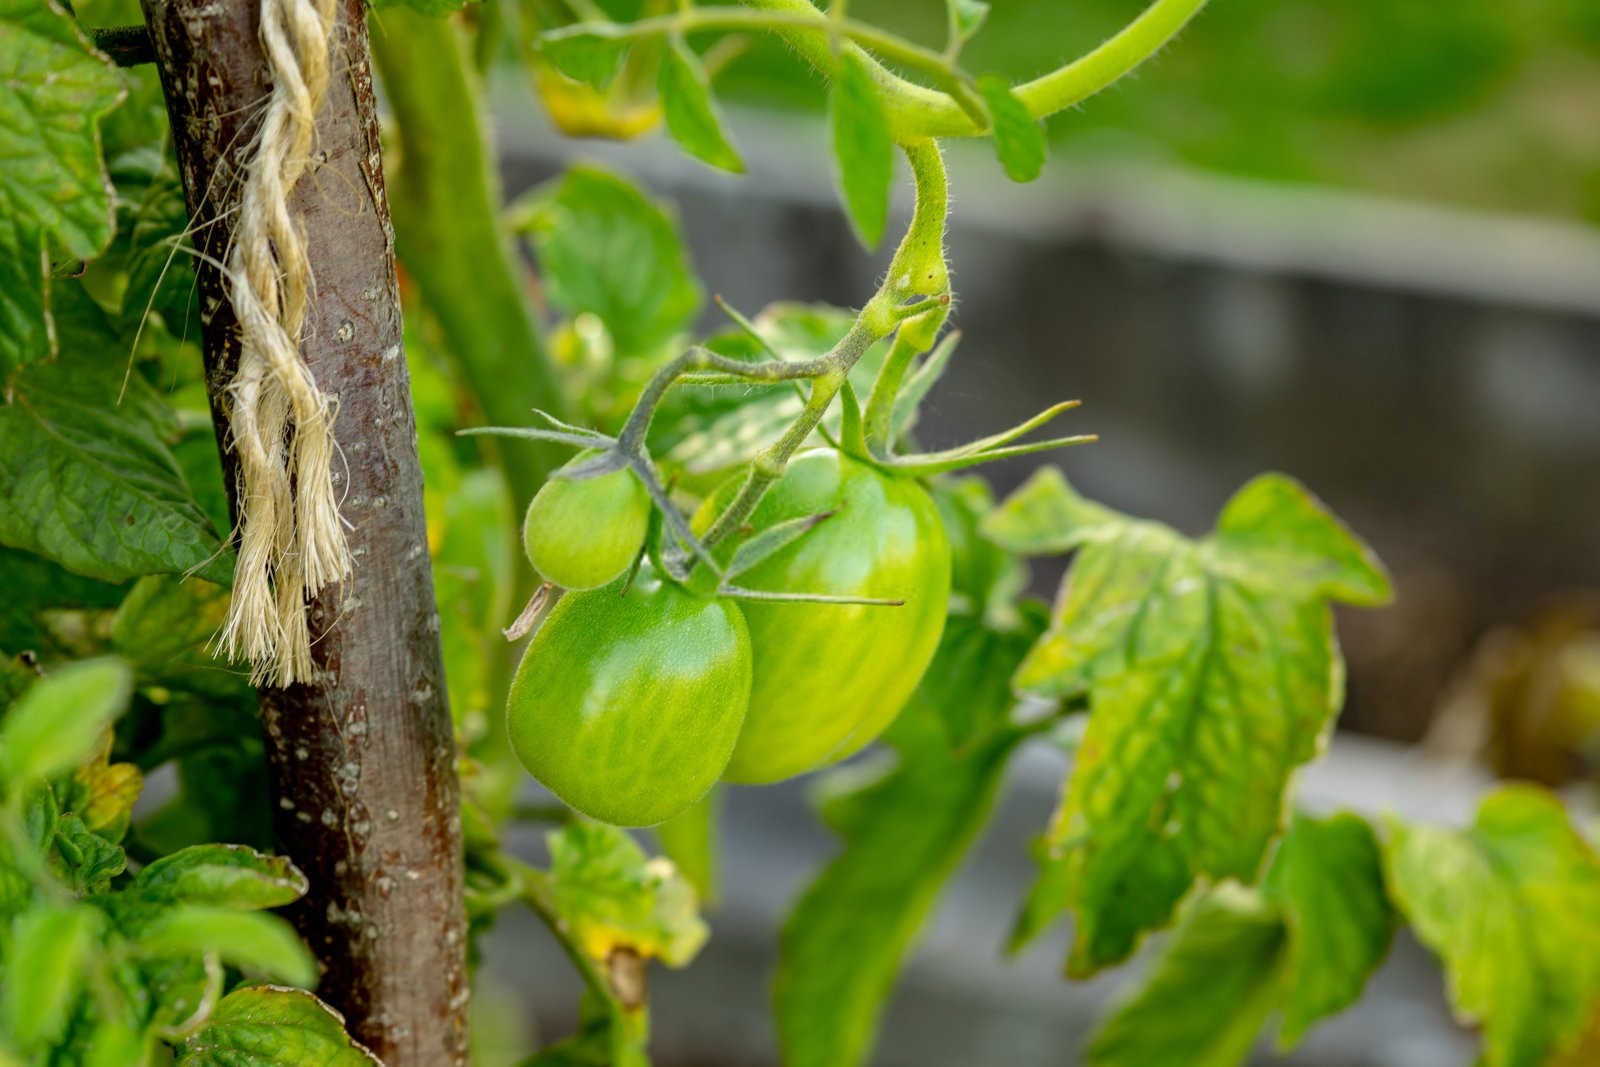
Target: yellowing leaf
column 1211, row 671
column 1512, row 907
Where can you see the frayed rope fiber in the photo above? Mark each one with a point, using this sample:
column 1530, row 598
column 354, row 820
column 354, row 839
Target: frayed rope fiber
column 290, row 536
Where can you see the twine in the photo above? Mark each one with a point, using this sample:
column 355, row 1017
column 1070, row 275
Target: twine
column 291, row 540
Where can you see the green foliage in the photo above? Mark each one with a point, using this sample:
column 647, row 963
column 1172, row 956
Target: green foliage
column 966, row 17
column 1304, row 943
column 608, row 250
column 54, row 193
column 117, row 964
column 1018, row 137
column 268, row 1026
column 863, row 148
column 53, row 727
column 905, row 833
column 435, row 8
column 1211, row 672
column 611, row 896
column 91, row 482
column 691, row 114
column 1512, row 907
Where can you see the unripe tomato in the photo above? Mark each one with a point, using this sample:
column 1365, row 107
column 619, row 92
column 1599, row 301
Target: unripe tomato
column 830, row 677
column 581, row 535
column 626, row 706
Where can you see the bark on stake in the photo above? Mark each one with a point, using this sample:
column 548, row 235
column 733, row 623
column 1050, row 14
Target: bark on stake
column 362, row 755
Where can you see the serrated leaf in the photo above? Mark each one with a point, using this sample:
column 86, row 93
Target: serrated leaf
column 1018, row 137
column 1287, row 537
column 1208, row 996
column 53, row 189
column 612, row 896
column 1327, row 882
column 606, row 248
column 89, row 480
column 252, row 941
column 905, row 833
column 231, row 876
column 1305, row 943
column 1047, row 517
column 1208, row 684
column 269, row 1026
column 1512, row 907
column 50, row 947
column 102, row 792
column 691, row 114
column 54, row 726
column 863, row 147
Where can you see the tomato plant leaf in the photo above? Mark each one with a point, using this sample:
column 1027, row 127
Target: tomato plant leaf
column 965, row 19
column 53, row 727
column 253, row 941
column 90, row 482
column 1305, row 942
column 584, row 57
column 54, row 191
column 50, row 947
column 231, row 876
column 1018, row 137
column 1512, row 906
column 82, row 859
column 1208, row 996
column 1208, row 684
column 905, row 833
column 35, row 585
column 691, row 114
column 612, row 896
column 863, row 148
column 606, row 248
column 1327, row 882
column 269, row 1026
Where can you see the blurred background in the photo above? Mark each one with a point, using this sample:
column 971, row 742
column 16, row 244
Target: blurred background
column 1350, row 240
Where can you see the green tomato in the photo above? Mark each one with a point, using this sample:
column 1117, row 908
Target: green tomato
column 627, row 706
column 830, row 677
column 581, row 535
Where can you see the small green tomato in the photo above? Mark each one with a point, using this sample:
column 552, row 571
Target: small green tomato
column 583, row 534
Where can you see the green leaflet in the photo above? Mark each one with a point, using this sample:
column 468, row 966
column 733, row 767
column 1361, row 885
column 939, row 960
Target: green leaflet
column 606, row 248
column 54, row 192
column 1205, row 1001
column 1327, row 882
column 230, row 876
column 965, row 18
column 1512, row 907
column 1305, row 944
column 691, row 114
column 905, row 833
column 863, row 147
column 612, row 896
column 250, row 940
column 85, row 467
column 54, row 725
column 267, row 1026
column 1018, row 137
column 1212, row 672
column 50, row 948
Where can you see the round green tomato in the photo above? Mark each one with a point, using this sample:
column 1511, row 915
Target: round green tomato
column 830, row 677
column 581, row 535
column 627, row 706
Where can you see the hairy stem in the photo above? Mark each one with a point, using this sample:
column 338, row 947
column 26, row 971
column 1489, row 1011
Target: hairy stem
column 917, row 111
